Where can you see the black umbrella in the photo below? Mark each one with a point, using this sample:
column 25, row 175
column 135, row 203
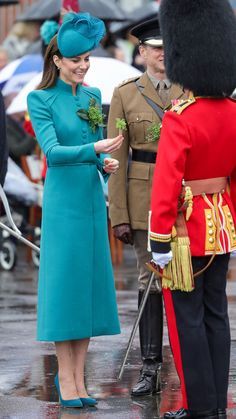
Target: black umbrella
column 41, row 10
column 104, row 9
column 135, row 17
column 45, row 9
column 8, row 2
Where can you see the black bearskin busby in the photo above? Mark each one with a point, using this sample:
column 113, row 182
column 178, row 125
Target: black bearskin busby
column 200, row 45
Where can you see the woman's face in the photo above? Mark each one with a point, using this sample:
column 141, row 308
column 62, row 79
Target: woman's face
column 73, row 70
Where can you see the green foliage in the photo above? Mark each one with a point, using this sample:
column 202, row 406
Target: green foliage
column 121, row 124
column 153, row 132
column 94, row 115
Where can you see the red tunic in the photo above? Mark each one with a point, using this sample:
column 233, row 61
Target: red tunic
column 198, row 142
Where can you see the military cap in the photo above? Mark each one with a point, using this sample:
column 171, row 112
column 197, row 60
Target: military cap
column 79, row 33
column 148, row 33
column 200, row 49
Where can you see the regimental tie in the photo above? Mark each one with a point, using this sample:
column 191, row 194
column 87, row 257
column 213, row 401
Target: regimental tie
column 163, row 92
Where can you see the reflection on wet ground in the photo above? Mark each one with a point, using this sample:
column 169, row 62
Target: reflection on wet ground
column 28, row 367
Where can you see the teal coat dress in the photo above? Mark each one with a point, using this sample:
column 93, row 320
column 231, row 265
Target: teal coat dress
column 76, row 293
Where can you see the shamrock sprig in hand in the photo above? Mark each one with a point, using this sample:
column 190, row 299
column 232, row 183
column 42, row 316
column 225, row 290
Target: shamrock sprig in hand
column 94, row 115
column 121, row 125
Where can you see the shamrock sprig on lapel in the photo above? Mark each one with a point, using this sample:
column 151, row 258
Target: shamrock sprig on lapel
column 153, row 132
column 93, row 115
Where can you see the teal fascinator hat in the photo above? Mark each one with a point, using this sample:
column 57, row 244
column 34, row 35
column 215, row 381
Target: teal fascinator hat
column 79, row 33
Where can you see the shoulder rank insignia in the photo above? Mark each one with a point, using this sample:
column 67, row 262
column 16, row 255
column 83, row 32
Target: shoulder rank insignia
column 132, row 79
column 180, row 105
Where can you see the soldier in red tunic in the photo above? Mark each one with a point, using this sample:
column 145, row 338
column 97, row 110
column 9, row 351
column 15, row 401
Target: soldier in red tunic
column 194, row 199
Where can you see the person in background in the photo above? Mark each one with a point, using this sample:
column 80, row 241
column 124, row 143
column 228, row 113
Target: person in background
column 76, row 297
column 20, row 142
column 194, row 189
column 141, row 101
column 47, row 31
column 21, row 38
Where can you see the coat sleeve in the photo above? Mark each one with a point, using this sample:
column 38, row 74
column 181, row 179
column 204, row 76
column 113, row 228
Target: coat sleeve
column 3, row 142
column 167, row 181
column 55, row 153
column 117, row 187
column 102, row 156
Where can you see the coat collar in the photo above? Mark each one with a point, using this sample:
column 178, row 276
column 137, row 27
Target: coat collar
column 149, row 90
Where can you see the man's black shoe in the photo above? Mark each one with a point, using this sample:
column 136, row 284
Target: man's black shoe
column 178, row 414
column 148, row 383
column 187, row 414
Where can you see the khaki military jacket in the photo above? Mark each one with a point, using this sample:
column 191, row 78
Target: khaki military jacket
column 130, row 189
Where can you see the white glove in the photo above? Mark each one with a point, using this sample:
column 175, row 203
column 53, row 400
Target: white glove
column 162, row 259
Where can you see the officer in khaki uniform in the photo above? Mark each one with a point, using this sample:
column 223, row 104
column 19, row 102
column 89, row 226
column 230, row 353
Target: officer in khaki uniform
column 141, row 102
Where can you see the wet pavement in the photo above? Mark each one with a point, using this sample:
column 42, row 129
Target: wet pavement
column 27, row 367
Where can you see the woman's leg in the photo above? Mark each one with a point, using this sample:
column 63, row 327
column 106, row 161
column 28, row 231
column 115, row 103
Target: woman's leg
column 66, row 370
column 79, row 352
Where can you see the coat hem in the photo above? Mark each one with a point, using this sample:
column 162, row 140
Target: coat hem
column 77, row 336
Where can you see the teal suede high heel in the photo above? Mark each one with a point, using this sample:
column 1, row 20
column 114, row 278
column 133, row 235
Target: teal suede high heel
column 66, row 403
column 88, row 401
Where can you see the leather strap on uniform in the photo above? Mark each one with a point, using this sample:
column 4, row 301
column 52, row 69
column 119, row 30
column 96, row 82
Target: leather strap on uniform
column 180, row 225
column 205, row 186
column 159, row 111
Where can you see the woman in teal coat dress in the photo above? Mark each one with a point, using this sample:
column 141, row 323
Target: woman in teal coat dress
column 76, row 295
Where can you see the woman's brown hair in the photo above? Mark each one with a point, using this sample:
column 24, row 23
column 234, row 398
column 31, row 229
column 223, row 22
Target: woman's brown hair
column 50, row 71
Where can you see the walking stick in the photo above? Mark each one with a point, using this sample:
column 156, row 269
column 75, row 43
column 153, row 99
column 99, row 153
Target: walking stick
column 14, row 231
column 136, row 323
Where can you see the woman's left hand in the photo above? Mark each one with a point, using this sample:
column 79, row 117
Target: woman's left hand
column 111, row 165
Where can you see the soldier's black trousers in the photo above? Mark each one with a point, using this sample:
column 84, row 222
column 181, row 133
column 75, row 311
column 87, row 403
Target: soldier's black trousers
column 199, row 334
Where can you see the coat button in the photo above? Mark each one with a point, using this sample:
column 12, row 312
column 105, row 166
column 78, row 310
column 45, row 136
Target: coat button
column 211, row 240
column 210, row 224
column 211, row 232
column 209, row 217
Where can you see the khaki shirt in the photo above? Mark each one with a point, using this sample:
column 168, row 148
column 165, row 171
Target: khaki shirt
column 130, row 189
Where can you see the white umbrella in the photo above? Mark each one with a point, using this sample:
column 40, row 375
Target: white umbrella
column 17, row 73
column 104, row 73
column 8, row 70
column 107, row 73
column 19, row 103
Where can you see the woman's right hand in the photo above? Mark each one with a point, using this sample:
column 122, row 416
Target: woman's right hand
column 109, row 145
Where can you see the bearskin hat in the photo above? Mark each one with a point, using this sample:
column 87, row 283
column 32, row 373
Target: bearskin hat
column 200, row 45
